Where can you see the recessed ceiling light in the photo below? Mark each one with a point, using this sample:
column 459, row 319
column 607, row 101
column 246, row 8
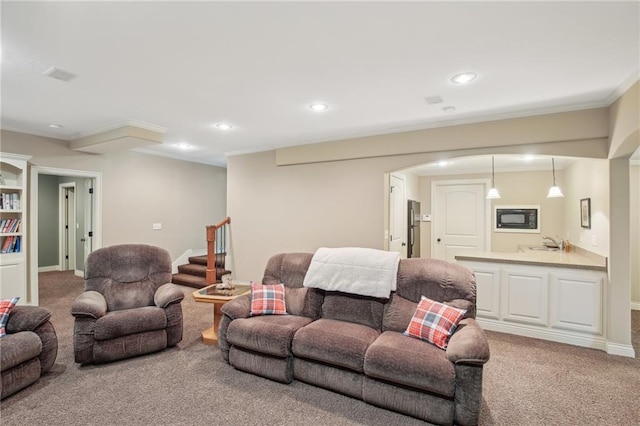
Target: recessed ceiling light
column 528, row 158
column 443, row 163
column 183, row 145
column 55, row 126
column 464, row 78
column 449, row 109
column 318, row 107
column 224, row 126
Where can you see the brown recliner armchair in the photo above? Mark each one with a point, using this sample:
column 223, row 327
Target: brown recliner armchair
column 129, row 306
column 28, row 350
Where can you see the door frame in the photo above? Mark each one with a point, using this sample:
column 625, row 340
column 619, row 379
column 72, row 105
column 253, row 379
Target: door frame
column 69, row 246
column 487, row 206
column 403, row 214
column 33, row 217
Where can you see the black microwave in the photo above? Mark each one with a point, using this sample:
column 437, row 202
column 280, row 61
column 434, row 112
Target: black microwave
column 517, row 219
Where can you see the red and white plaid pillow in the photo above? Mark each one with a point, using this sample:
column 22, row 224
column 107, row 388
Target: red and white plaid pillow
column 434, row 322
column 6, row 306
column 267, row 299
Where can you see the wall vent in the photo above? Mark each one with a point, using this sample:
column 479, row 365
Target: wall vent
column 431, row 100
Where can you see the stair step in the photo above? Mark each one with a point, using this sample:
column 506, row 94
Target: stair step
column 193, row 269
column 189, row 280
column 202, row 260
column 198, row 260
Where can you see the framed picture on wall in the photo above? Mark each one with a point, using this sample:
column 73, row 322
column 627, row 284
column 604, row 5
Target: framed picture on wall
column 585, row 212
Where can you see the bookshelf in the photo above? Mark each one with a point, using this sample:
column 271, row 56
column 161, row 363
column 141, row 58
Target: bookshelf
column 13, row 227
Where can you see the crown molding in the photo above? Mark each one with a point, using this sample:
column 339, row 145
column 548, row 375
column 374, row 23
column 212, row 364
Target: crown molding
column 626, row 84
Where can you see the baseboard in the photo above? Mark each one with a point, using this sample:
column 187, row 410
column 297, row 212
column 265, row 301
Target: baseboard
column 79, row 273
column 184, row 258
column 49, row 268
column 559, row 336
column 622, row 350
column 635, row 306
column 554, row 335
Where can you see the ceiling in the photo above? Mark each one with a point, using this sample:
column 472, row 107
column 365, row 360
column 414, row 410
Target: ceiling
column 179, row 68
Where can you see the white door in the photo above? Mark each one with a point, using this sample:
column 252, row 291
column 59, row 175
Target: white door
column 87, row 238
column 67, row 226
column 461, row 220
column 397, row 216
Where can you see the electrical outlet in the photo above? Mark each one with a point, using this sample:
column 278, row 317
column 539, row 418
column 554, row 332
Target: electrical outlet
column 157, row 226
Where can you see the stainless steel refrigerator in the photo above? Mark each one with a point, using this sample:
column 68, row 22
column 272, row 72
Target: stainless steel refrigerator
column 413, row 246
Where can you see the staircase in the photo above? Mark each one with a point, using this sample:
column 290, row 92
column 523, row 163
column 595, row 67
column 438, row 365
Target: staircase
column 202, row 271
column 194, row 273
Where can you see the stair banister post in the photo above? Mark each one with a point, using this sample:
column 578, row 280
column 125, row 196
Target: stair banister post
column 211, row 255
column 211, row 249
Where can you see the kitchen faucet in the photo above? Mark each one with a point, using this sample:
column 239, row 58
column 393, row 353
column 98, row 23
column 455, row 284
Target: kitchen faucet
column 549, row 242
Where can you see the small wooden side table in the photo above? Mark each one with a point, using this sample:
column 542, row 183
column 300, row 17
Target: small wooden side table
column 211, row 294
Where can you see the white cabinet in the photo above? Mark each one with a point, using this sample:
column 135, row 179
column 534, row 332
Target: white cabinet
column 487, row 292
column 554, row 303
column 576, row 301
column 13, row 228
column 525, row 295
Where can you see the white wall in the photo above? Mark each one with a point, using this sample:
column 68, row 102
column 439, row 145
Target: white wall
column 139, row 190
column 300, row 208
column 624, row 139
column 634, row 177
column 587, row 179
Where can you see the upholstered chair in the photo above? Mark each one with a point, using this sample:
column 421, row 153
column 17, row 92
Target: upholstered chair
column 129, row 306
column 28, row 350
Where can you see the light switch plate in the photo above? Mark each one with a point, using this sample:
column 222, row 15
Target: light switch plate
column 426, row 218
column 157, row 226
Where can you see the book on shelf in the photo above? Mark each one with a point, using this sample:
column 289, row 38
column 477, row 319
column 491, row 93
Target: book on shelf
column 8, row 226
column 6, row 245
column 10, row 201
column 11, row 244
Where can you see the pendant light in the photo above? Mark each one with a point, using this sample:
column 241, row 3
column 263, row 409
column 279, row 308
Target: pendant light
column 554, row 191
column 493, row 192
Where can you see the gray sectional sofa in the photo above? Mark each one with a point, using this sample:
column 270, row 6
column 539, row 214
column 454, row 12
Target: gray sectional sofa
column 28, row 350
column 355, row 344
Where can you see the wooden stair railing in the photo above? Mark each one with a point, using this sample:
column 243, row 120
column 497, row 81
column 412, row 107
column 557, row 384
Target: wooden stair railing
column 216, row 246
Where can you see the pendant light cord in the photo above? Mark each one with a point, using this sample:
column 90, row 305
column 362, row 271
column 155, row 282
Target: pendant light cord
column 493, row 174
column 553, row 169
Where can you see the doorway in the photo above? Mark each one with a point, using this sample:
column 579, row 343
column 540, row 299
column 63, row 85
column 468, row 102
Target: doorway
column 87, row 223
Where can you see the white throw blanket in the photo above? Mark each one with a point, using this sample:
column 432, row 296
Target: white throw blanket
column 363, row 271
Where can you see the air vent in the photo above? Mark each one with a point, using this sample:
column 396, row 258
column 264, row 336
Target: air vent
column 431, row 100
column 59, row 74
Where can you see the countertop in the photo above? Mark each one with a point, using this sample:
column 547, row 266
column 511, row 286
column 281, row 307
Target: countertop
column 577, row 258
